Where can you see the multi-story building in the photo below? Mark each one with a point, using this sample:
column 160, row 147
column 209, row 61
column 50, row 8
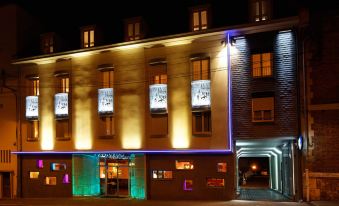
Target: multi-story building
column 164, row 117
column 14, row 22
column 320, row 102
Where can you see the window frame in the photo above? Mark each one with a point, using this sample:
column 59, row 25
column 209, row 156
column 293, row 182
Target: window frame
column 203, row 132
column 262, row 111
column 91, row 33
column 133, row 22
column 33, row 125
column 199, row 10
column 264, row 11
column 48, row 43
column 261, row 63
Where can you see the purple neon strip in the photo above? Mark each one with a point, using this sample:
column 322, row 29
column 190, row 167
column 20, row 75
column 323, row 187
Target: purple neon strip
column 229, row 94
column 129, row 151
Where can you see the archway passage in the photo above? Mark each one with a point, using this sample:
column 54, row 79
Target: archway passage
column 266, row 169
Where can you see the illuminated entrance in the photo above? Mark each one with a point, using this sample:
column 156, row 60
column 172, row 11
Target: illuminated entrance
column 266, row 169
column 114, row 177
column 115, row 173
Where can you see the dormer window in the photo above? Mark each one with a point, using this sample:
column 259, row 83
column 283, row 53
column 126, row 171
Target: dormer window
column 133, row 29
column 87, row 36
column 260, row 10
column 47, row 43
column 199, row 18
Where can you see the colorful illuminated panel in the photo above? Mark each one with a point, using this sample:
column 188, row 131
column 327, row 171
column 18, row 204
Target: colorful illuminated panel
column 184, row 165
column 58, row 166
column 201, row 94
column 105, row 101
column 61, row 105
column 32, row 107
column 158, row 98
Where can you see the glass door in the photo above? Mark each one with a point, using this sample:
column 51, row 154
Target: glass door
column 114, row 177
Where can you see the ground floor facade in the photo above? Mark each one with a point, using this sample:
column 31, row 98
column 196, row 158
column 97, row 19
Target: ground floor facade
column 140, row 176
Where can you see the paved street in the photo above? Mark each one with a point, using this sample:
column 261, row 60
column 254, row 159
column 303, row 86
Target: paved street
column 128, row 202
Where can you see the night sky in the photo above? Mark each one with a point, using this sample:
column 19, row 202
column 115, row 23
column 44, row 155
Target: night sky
column 164, row 17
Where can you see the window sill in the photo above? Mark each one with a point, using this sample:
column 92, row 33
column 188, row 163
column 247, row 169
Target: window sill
column 106, row 136
column 158, row 135
column 32, row 139
column 209, row 134
column 63, row 138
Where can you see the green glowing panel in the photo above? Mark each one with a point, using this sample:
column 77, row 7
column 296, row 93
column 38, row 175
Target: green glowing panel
column 137, row 176
column 86, row 181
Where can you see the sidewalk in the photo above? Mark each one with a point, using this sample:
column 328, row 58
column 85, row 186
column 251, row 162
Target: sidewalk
column 325, row 203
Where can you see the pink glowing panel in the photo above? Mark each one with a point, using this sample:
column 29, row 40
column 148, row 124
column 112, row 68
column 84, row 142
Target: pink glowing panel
column 188, row 185
column 40, row 164
column 66, row 179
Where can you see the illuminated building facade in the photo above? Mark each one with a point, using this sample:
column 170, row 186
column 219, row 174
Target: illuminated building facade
column 152, row 118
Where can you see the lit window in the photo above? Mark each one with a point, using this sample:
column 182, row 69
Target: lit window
column 58, row 166
column 201, row 70
column 50, row 180
column 222, row 167
column 64, row 84
column 162, row 174
column 263, row 109
column 32, row 109
column 262, row 65
column 158, row 89
column 260, row 10
column 33, row 175
column 88, row 38
column 202, row 123
column 133, row 31
column 200, row 20
column 215, row 182
column 184, row 165
column 106, row 104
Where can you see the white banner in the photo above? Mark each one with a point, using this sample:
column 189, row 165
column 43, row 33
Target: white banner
column 201, row 94
column 32, row 107
column 105, row 101
column 158, row 97
column 61, row 105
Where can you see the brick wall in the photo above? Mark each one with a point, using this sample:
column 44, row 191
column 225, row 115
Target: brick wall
column 282, row 84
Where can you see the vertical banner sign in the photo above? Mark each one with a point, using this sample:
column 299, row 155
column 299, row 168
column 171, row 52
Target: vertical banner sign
column 201, row 94
column 158, row 98
column 61, row 105
column 32, row 107
column 105, row 101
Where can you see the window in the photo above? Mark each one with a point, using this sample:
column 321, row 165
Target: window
column 50, row 180
column 32, row 108
column 215, row 182
column 162, row 174
column 47, row 43
column 184, row 165
column 63, row 126
column 158, row 86
column 106, row 104
column 263, row 109
column 262, row 65
column 88, row 38
column 201, row 70
column 202, row 123
column 133, row 29
column 33, row 175
column 222, row 167
column 260, row 10
column 58, row 166
column 200, row 19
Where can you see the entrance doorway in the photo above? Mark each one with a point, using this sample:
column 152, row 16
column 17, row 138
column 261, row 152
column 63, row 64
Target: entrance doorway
column 5, row 185
column 266, row 169
column 114, row 177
